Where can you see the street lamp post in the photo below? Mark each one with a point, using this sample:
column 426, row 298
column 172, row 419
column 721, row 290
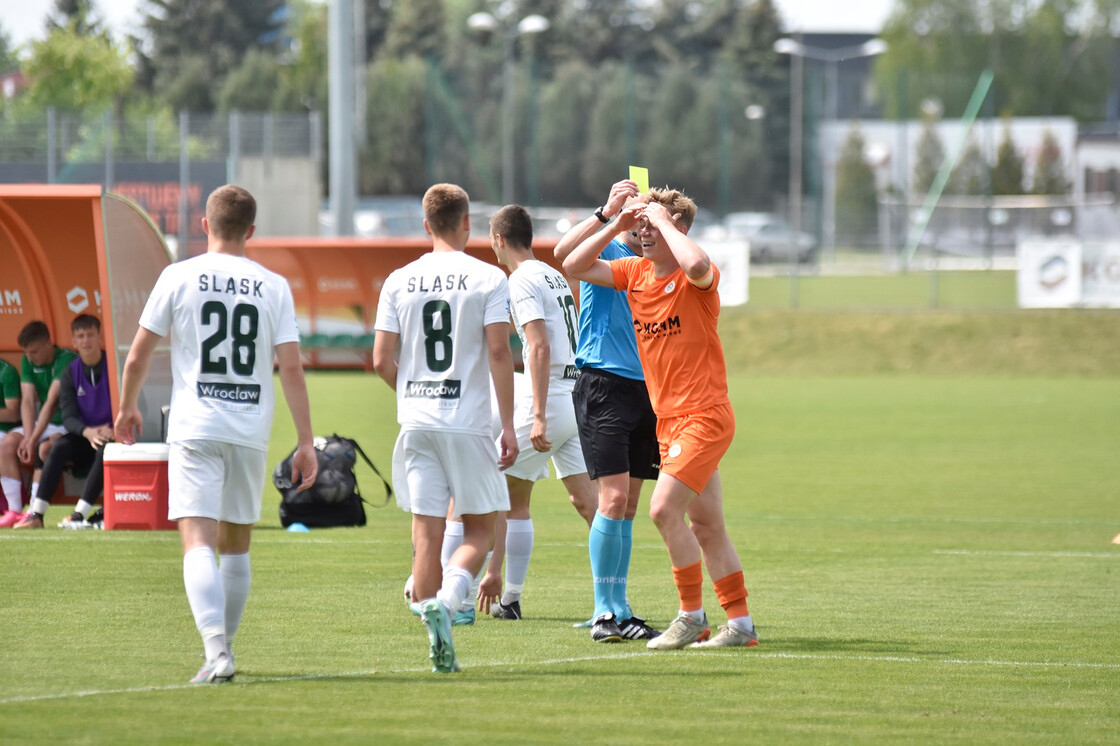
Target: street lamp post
column 831, row 59
column 533, row 24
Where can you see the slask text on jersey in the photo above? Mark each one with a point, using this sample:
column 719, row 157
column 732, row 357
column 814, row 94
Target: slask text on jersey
column 210, row 283
column 436, row 284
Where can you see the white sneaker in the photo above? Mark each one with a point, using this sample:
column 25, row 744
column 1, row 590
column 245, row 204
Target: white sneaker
column 729, row 637
column 217, row 671
column 685, row 629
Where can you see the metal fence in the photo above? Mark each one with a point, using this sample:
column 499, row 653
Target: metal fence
column 165, row 162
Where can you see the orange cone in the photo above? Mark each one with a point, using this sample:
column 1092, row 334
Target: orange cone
column 1117, row 539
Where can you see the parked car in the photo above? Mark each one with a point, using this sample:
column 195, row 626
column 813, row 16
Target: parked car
column 769, row 237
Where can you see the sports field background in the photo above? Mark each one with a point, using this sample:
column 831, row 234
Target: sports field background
column 923, row 501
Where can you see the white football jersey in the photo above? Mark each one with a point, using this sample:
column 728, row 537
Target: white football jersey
column 225, row 314
column 537, row 291
column 440, row 305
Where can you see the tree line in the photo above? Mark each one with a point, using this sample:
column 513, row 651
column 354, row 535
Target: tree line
column 661, row 83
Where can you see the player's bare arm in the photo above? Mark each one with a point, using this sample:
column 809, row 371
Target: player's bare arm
column 695, row 262
column 620, row 192
column 305, row 464
column 538, row 361
column 584, row 263
column 28, row 404
column 384, row 357
column 129, row 420
column 26, row 451
column 501, row 371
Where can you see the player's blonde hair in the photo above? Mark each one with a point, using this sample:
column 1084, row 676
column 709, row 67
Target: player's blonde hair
column 676, row 202
column 445, row 206
column 230, row 211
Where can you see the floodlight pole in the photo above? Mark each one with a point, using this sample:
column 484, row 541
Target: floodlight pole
column 795, row 146
column 340, row 63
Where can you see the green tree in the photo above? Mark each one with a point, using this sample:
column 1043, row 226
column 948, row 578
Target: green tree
column 393, row 160
column 254, row 85
column 1049, row 58
column 604, row 153
column 669, row 161
column 750, row 50
column 415, row 28
column 180, row 33
column 598, row 31
column 8, row 58
column 77, row 15
column 972, row 174
column 1049, row 172
column 304, row 73
column 75, row 71
column 856, row 201
column 1007, row 176
column 930, row 154
column 189, row 85
column 563, row 132
column 694, row 31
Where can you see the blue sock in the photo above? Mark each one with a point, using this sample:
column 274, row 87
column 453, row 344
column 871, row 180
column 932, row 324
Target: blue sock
column 621, row 608
column 603, row 545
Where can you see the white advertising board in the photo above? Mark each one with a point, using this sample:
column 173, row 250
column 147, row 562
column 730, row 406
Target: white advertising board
column 1100, row 274
column 733, row 261
column 1049, row 273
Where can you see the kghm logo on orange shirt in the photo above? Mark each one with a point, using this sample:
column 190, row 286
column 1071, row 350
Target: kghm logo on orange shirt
column 668, row 327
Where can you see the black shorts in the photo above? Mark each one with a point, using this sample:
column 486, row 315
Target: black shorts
column 617, row 426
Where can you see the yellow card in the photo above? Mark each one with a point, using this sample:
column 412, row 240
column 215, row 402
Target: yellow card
column 640, row 176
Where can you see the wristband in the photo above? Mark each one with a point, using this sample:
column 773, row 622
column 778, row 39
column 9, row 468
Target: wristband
column 602, row 218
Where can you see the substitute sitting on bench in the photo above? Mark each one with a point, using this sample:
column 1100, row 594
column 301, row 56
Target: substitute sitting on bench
column 88, row 419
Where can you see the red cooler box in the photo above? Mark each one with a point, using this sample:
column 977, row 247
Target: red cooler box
column 136, row 487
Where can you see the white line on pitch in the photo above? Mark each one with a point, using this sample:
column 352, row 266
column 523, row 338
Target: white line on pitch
column 992, row 553
column 575, row 659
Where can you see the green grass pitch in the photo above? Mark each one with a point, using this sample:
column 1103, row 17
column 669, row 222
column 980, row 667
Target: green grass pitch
column 928, row 557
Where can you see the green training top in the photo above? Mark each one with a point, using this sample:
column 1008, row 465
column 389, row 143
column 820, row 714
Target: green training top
column 9, row 389
column 42, row 376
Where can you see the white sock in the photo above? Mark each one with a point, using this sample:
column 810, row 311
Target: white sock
column 742, row 624
column 452, row 540
column 236, row 580
column 84, row 508
column 519, row 550
column 207, row 600
column 13, row 490
column 456, row 586
column 34, row 490
column 468, row 602
column 38, row 505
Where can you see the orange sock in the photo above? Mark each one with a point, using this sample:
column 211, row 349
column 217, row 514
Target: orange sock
column 690, row 586
column 732, row 594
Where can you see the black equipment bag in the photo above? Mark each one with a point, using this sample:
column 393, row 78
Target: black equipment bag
column 334, row 499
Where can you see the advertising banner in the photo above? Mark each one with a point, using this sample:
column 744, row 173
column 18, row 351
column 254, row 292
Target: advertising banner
column 1049, row 273
column 1100, row 274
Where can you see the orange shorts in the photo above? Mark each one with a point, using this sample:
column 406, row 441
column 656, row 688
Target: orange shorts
column 692, row 444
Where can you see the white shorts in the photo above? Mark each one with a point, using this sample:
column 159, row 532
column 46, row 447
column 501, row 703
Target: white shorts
column 48, row 432
column 209, row 479
column 561, row 429
column 429, row 468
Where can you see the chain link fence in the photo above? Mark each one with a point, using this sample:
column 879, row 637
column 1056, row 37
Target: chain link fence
column 168, row 163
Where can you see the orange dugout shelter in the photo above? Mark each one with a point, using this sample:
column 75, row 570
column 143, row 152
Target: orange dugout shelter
column 71, row 249
column 336, row 283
